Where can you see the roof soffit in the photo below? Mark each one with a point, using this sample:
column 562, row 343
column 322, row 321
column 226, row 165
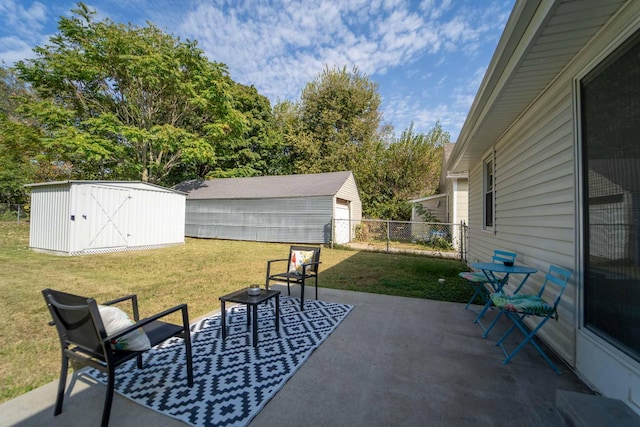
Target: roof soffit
column 531, row 53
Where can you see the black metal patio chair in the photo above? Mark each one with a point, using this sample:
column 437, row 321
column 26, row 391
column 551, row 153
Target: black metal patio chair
column 83, row 337
column 302, row 264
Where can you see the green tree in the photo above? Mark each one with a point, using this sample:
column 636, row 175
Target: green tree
column 288, row 131
column 23, row 159
column 126, row 102
column 337, row 126
column 414, row 162
column 410, row 168
column 339, row 117
column 16, row 144
column 258, row 151
column 413, row 167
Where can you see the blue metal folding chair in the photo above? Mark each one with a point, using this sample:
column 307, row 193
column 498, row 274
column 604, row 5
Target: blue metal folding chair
column 477, row 279
column 518, row 307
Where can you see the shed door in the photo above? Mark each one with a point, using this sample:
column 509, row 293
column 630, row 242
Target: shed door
column 103, row 215
column 342, row 223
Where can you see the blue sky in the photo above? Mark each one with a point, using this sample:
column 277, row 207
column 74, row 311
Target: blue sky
column 427, row 57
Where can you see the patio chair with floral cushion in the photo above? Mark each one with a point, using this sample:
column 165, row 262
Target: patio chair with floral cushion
column 104, row 337
column 302, row 264
column 520, row 306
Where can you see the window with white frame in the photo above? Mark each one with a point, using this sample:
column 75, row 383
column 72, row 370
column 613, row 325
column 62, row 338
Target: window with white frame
column 488, row 191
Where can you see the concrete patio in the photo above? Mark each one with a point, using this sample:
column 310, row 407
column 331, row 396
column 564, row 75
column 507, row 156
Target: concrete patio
column 392, row 361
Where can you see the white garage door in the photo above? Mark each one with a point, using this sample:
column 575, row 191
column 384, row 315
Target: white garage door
column 342, row 223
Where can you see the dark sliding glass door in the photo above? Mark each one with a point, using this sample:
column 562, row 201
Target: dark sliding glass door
column 610, row 120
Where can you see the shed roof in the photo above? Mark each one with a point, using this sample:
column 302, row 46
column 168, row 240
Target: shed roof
column 266, row 187
column 128, row 184
column 424, row 199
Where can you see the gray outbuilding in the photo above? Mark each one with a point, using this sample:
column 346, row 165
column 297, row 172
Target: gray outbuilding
column 88, row 217
column 313, row 208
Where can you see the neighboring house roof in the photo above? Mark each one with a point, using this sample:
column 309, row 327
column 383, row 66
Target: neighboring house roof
column 447, row 149
column 540, row 39
column 446, row 173
column 424, row 199
column 265, row 187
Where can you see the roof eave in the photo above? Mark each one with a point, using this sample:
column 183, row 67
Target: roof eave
column 494, row 79
column 508, row 89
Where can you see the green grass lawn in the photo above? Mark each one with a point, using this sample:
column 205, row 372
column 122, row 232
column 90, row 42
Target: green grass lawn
column 196, row 273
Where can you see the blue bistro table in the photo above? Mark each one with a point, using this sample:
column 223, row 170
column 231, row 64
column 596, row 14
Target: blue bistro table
column 490, row 269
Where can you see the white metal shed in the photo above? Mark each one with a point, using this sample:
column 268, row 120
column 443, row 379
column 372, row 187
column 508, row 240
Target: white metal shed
column 87, row 217
column 310, row 208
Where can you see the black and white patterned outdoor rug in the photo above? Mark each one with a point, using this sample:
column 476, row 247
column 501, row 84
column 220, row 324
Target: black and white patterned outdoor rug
column 232, row 379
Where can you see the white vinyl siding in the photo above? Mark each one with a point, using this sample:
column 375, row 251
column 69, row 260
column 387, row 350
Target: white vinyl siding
column 86, row 217
column 531, row 120
column 460, row 208
column 303, row 217
column 49, row 228
column 295, row 220
column 534, row 203
column 437, row 205
column 349, row 192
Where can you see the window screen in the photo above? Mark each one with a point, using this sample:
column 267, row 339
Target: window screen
column 610, row 118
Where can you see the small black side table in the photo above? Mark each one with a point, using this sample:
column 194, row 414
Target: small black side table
column 242, row 297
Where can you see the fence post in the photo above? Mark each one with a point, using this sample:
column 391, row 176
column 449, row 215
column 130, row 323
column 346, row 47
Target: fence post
column 333, row 231
column 461, row 244
column 463, row 241
column 18, row 219
column 388, row 234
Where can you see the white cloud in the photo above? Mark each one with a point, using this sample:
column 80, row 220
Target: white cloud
column 298, row 39
column 306, row 37
column 14, row 49
column 281, row 45
column 424, row 55
column 434, row 9
column 403, row 112
column 22, row 26
column 23, row 20
column 442, row 101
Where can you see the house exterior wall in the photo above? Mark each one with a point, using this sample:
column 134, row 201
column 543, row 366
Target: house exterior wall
column 84, row 217
column 349, row 192
column 458, row 189
column 347, row 195
column 295, row 220
column 450, row 190
column 436, row 205
column 620, row 378
column 536, row 202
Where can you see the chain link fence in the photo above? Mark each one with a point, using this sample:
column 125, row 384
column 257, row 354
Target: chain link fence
column 431, row 238
column 14, row 212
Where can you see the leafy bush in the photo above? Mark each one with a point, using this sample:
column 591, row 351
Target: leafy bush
column 441, row 243
column 361, row 232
